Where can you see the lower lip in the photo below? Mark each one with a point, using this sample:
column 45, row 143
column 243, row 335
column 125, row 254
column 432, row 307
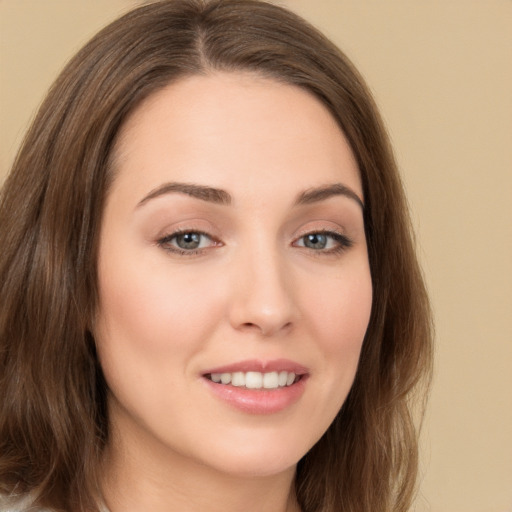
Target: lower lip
column 258, row 401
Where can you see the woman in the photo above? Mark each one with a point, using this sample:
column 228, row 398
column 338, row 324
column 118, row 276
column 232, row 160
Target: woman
column 210, row 297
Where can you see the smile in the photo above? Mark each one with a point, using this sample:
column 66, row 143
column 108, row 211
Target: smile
column 258, row 387
column 255, row 380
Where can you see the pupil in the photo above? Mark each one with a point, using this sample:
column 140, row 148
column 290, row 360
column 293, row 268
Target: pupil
column 316, row 241
column 189, row 240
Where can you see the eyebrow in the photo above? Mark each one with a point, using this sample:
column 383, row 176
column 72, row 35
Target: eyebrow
column 209, row 194
column 315, row 195
column 219, row 196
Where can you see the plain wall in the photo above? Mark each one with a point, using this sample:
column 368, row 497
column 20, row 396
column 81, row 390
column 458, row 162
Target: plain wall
column 441, row 73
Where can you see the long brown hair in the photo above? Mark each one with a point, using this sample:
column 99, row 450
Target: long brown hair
column 53, row 420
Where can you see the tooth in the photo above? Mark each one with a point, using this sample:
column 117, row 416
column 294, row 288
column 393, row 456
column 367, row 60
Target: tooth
column 238, row 379
column 270, row 380
column 253, row 380
column 225, row 378
column 290, row 379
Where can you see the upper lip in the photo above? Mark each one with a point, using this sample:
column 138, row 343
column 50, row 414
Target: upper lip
column 262, row 366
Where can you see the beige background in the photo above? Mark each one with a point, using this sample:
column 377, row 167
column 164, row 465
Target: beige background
column 441, row 71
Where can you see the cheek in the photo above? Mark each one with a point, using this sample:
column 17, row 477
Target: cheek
column 336, row 314
column 150, row 326
column 339, row 317
column 340, row 311
column 151, row 309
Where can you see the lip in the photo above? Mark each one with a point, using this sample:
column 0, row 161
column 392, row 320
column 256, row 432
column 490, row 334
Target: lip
column 258, row 401
column 257, row 365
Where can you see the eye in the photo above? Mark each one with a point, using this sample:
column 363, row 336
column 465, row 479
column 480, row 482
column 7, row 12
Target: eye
column 186, row 242
column 324, row 241
column 315, row 241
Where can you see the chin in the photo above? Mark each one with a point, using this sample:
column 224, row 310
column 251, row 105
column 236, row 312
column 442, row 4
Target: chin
column 257, row 457
column 257, row 467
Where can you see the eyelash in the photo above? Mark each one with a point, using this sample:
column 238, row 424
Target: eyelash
column 342, row 242
column 165, row 242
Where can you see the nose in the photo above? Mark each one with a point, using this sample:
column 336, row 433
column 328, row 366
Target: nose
column 263, row 296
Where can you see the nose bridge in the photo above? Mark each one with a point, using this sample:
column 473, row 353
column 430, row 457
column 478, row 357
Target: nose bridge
column 263, row 296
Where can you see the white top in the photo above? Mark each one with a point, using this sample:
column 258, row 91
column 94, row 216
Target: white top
column 24, row 504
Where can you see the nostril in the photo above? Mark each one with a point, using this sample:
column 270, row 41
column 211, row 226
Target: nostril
column 250, row 326
column 266, row 329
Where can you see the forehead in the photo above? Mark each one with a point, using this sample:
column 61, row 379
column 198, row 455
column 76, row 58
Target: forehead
column 217, row 128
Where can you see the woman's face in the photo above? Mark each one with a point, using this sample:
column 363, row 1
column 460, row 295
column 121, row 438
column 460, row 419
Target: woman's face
column 232, row 248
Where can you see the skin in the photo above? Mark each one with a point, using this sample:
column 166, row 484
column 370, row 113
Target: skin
column 253, row 290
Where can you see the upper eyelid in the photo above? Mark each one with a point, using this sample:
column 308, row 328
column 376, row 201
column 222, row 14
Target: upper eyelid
column 178, row 232
column 328, row 232
column 167, row 238
column 170, row 232
column 320, row 230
